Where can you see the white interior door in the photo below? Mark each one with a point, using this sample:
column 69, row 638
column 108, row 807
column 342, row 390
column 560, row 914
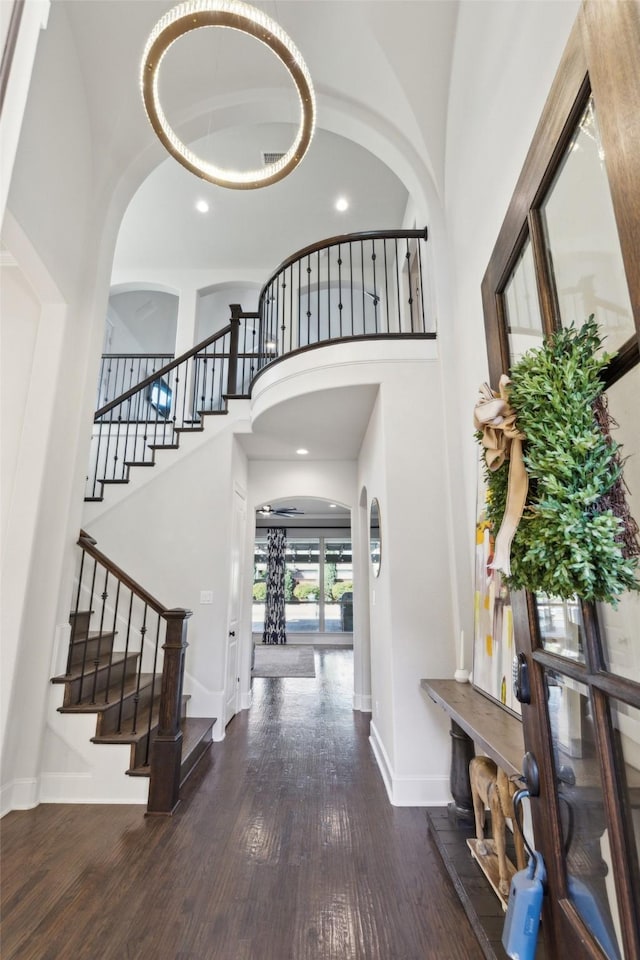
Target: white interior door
column 232, row 678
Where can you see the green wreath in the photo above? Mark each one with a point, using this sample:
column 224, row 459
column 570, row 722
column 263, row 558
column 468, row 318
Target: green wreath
column 576, row 536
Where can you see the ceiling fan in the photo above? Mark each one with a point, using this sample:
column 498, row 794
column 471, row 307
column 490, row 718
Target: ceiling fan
column 268, row 511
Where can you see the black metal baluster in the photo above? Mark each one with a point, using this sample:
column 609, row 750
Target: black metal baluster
column 398, row 288
column 123, row 679
column 299, row 301
column 136, row 698
column 96, row 658
column 353, row 325
column 86, row 642
column 421, row 305
column 328, row 293
column 284, row 309
column 318, row 295
column 375, row 287
column 340, row 288
column 74, row 619
column 308, row 300
column 290, row 309
column 364, row 314
column 113, row 640
column 386, row 282
column 408, row 259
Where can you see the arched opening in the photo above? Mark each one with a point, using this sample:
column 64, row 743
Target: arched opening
column 317, row 574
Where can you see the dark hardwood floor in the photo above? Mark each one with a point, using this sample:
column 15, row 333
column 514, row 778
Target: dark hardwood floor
column 285, row 848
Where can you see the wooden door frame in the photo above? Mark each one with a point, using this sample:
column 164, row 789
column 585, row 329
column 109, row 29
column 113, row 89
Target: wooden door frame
column 602, row 56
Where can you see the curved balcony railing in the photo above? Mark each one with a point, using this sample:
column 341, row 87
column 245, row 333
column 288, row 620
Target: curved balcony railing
column 358, row 285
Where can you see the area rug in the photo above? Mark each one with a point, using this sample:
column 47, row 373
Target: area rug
column 283, row 660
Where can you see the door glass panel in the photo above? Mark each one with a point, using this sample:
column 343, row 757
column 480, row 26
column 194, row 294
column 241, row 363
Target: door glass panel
column 560, row 625
column 588, row 858
column 582, row 239
column 259, row 584
column 626, row 723
column 620, row 626
column 338, row 586
column 524, row 323
column 302, row 586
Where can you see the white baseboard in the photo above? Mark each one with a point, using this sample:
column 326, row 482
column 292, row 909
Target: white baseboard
column 382, row 759
column 362, row 702
column 83, row 788
column 417, row 791
column 246, row 699
column 19, row 795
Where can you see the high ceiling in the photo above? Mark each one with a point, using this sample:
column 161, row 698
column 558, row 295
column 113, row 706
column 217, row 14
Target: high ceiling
column 380, row 69
column 255, row 230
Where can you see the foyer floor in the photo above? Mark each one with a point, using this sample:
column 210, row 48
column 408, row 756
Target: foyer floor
column 285, row 848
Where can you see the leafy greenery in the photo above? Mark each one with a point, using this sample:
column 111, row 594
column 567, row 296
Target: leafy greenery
column 289, row 585
column 307, row 591
column 566, row 543
column 330, row 577
column 260, row 591
column 340, row 587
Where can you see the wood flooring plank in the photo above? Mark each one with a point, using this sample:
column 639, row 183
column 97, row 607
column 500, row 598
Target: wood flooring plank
column 285, row 847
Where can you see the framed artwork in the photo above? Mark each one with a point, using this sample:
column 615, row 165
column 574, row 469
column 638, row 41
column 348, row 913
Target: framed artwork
column 493, row 641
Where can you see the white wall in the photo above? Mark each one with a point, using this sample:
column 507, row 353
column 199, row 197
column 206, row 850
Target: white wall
column 173, row 536
column 411, row 601
column 505, row 58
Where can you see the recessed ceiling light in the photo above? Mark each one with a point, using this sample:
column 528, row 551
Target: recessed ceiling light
column 202, row 206
column 342, row 204
column 333, row 505
column 301, row 451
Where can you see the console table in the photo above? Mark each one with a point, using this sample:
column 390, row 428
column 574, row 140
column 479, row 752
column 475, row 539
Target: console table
column 475, row 720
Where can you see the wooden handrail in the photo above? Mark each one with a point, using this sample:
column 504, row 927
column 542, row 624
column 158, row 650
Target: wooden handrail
column 161, row 372
column 165, row 754
column 88, row 544
column 10, row 47
column 345, row 238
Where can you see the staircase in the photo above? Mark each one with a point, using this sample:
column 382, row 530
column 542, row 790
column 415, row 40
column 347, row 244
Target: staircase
column 131, row 682
column 352, row 287
column 177, row 398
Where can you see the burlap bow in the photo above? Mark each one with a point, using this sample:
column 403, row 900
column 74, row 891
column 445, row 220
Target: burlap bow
column 503, row 441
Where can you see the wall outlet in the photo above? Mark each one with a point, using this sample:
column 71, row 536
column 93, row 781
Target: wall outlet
column 206, row 596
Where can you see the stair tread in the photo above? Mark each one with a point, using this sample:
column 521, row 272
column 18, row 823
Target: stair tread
column 130, row 686
column 103, row 664
column 193, row 731
column 164, row 446
column 126, row 736
column 139, row 463
column 95, row 635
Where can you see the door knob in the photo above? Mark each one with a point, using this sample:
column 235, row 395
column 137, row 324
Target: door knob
column 531, row 774
column 232, row 633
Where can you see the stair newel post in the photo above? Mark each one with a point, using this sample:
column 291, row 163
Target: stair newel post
column 232, row 373
column 166, row 752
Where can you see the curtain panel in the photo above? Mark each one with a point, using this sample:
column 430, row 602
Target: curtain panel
column 275, row 624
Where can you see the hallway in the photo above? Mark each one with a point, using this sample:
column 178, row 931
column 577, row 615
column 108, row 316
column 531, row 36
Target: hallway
column 285, row 848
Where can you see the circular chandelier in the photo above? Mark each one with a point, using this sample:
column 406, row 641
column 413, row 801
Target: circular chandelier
column 246, row 19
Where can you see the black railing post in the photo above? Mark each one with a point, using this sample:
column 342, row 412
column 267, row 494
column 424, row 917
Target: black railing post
column 232, row 372
column 166, row 752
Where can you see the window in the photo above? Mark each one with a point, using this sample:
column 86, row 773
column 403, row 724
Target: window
column 318, row 585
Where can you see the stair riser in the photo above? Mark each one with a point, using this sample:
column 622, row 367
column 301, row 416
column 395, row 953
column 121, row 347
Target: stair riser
column 80, row 624
column 107, row 719
column 105, row 677
column 86, row 651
